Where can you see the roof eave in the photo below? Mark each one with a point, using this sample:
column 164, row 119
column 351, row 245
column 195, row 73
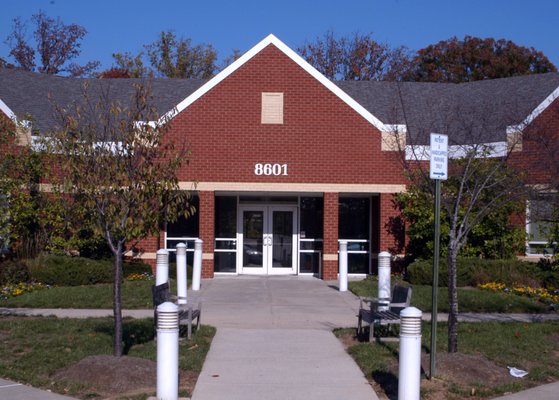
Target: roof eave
column 7, row 110
column 535, row 113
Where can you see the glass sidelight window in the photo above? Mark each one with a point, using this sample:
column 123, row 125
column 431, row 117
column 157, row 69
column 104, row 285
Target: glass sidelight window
column 311, row 210
column 539, row 225
column 225, row 255
column 354, row 226
column 184, row 230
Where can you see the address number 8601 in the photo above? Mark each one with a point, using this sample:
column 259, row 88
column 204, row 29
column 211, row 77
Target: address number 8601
column 270, row 169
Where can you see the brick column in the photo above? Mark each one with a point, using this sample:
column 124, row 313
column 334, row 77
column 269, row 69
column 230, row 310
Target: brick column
column 330, row 251
column 207, row 232
column 394, row 241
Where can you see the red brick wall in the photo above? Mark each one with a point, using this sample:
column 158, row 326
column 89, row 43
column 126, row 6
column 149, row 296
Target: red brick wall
column 539, row 158
column 322, row 139
column 389, row 217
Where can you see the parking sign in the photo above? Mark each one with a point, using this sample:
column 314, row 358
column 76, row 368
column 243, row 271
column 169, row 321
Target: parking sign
column 438, row 168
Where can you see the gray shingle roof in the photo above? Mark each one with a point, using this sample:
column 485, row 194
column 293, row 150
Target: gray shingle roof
column 36, row 95
column 468, row 112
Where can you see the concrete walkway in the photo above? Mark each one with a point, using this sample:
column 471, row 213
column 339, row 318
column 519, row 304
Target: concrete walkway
column 16, row 391
column 274, row 341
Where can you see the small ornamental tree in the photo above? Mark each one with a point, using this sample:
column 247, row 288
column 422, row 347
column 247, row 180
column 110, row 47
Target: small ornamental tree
column 483, row 185
column 116, row 162
column 479, row 192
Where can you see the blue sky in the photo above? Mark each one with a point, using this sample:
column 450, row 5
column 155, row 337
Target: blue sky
column 125, row 25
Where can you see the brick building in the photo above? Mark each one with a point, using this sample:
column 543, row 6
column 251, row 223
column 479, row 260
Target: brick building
column 287, row 162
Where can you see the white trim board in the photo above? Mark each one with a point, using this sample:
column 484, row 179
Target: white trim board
column 271, row 39
column 534, row 114
column 7, row 110
column 266, row 187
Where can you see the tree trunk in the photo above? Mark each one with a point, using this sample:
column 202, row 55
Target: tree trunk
column 453, row 301
column 117, row 301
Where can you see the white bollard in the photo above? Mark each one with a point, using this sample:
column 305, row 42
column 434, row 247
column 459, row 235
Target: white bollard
column 197, row 267
column 167, row 351
column 181, row 274
column 410, row 354
column 342, row 275
column 384, row 280
column 161, row 267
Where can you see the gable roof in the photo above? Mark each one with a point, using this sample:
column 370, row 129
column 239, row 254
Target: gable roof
column 272, row 40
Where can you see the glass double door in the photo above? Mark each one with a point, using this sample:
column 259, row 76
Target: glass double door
column 268, row 240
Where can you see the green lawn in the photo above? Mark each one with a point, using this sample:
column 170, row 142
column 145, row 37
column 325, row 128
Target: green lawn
column 532, row 347
column 469, row 299
column 34, row 348
column 135, row 295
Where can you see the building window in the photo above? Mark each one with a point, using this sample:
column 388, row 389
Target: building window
column 184, row 230
column 311, row 225
column 225, row 253
column 272, row 108
column 538, row 226
column 354, row 226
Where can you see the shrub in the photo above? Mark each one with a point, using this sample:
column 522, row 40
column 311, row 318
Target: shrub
column 84, row 243
column 549, row 264
column 475, row 271
column 13, row 272
column 550, row 280
column 76, row 271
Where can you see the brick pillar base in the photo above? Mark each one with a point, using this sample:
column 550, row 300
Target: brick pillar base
column 330, row 270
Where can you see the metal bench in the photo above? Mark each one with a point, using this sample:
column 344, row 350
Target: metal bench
column 187, row 314
column 371, row 315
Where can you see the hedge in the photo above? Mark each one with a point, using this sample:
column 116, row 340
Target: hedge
column 474, row 271
column 76, row 271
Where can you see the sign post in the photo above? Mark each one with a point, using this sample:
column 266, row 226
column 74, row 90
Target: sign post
column 438, row 170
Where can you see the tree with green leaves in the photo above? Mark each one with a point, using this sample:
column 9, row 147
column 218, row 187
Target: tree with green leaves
column 127, row 66
column 174, row 57
column 355, row 57
column 170, row 57
column 119, row 165
column 472, row 58
column 494, row 237
column 31, row 220
column 55, row 45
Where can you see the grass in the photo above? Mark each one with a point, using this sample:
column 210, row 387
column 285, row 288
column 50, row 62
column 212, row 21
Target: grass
column 469, row 299
column 135, row 295
column 532, row 347
column 34, row 348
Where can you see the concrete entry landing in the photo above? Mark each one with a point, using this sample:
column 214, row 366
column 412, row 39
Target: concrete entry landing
column 274, row 340
column 275, row 302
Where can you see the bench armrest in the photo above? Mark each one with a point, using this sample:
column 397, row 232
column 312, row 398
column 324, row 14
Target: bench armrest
column 367, row 300
column 398, row 305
